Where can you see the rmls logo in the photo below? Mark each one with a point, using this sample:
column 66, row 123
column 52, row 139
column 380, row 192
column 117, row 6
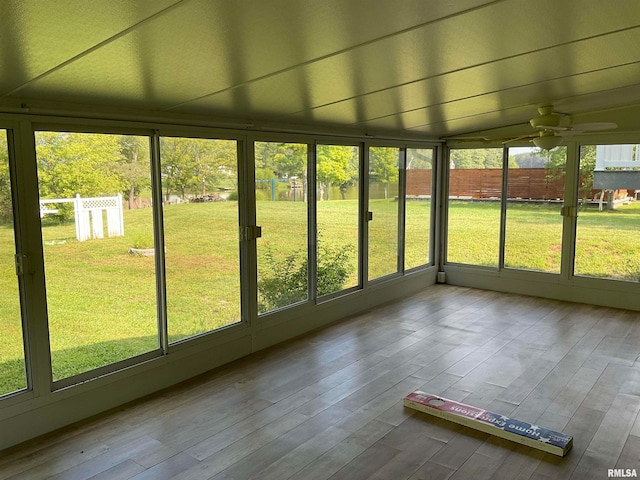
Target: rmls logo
column 622, row 473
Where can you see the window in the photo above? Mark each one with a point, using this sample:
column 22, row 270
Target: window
column 281, row 211
column 474, row 210
column 12, row 360
column 202, row 264
column 419, row 181
column 607, row 225
column 337, row 197
column 99, row 266
column 533, row 239
column 383, row 211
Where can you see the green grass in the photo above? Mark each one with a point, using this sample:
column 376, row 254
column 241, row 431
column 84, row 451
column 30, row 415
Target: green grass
column 606, row 243
column 533, row 237
column 474, row 232
column 101, row 299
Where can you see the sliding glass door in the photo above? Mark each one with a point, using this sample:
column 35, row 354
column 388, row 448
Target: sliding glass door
column 418, row 206
column 474, row 206
column 202, row 254
column 99, row 259
column 337, row 214
column 383, row 211
column 607, row 243
column 535, row 195
column 12, row 354
column 281, row 211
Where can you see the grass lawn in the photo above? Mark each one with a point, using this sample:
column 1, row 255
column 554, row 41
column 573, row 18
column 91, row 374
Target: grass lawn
column 606, row 243
column 101, row 299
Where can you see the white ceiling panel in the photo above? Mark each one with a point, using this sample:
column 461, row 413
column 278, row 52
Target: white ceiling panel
column 37, row 36
column 593, row 55
column 435, row 50
column 519, row 116
column 437, row 118
column 206, row 46
column 436, row 67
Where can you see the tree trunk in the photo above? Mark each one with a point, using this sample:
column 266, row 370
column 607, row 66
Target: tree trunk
column 132, row 198
column 304, row 185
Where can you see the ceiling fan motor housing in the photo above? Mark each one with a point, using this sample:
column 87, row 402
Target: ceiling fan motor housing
column 547, row 118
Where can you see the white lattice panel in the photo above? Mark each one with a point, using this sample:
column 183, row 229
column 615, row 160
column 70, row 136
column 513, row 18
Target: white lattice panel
column 99, row 203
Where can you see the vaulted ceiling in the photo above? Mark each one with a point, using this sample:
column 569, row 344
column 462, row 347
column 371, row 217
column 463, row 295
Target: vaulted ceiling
column 431, row 67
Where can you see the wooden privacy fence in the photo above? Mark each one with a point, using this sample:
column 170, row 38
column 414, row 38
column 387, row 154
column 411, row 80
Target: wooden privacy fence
column 525, row 183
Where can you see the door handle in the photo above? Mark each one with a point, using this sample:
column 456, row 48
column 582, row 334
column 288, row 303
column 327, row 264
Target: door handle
column 252, row 232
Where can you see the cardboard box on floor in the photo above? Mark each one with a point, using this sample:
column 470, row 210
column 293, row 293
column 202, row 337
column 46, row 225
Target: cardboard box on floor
column 518, row 431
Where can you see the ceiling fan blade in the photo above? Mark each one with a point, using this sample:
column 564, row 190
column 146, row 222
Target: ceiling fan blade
column 551, row 127
column 593, row 126
column 579, row 128
column 569, row 133
column 469, row 139
column 518, row 138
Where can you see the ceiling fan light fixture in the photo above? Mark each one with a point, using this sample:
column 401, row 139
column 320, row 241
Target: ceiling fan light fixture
column 547, row 142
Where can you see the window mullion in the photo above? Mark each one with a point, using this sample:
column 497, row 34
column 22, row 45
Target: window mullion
column 158, row 227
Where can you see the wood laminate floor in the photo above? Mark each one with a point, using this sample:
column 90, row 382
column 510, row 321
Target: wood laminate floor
column 329, row 405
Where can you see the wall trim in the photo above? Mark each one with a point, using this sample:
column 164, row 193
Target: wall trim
column 591, row 291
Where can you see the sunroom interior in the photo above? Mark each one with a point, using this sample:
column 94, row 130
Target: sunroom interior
column 186, row 182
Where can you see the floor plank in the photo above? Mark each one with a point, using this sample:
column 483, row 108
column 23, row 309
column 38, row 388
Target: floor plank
column 329, row 404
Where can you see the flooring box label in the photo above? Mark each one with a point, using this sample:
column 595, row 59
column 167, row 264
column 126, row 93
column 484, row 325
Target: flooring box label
column 516, row 430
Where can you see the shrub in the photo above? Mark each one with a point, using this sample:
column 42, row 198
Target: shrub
column 284, row 282
column 334, row 267
column 143, row 240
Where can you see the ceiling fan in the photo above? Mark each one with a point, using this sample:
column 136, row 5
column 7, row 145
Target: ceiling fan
column 550, row 132
column 550, row 129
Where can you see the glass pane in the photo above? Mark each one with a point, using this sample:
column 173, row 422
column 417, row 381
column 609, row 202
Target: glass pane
column 199, row 189
column 607, row 243
column 418, row 207
column 99, row 265
column 337, row 173
column 535, row 195
column 475, row 189
column 12, row 364
column 281, row 211
column 383, row 204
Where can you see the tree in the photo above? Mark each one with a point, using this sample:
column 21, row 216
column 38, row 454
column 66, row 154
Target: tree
column 555, row 162
column 419, row 159
column 476, row 158
column 281, row 160
column 556, row 167
column 467, row 158
column 383, row 166
column 196, row 165
column 178, row 167
column 336, row 165
column 6, row 210
column 533, row 159
column 134, row 167
column 587, row 166
column 78, row 163
column 216, row 162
